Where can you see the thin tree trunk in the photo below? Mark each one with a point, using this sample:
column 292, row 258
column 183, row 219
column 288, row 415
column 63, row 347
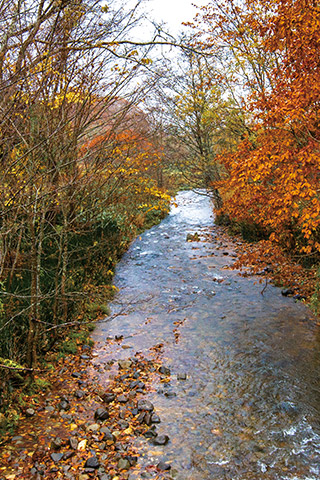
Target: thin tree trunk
column 35, row 295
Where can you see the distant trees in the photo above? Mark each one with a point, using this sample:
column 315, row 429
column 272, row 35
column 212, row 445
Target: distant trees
column 202, row 120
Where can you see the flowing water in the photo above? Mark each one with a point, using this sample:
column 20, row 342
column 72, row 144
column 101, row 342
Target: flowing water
column 250, row 405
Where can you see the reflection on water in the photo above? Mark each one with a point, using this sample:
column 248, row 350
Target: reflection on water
column 250, row 406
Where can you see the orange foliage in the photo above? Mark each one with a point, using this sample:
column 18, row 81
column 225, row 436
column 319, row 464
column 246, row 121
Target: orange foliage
column 273, row 177
column 126, row 143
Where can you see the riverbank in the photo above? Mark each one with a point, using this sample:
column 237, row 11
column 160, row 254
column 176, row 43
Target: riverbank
column 273, row 266
column 81, row 430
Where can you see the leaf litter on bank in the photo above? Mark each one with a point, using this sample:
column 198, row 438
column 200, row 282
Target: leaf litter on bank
column 60, row 440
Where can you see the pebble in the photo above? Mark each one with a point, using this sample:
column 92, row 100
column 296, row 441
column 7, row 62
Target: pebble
column 288, row 408
column 73, row 443
column 151, row 433
column 108, row 397
column 79, row 394
column 30, row 412
column 145, row 405
column 68, row 455
column 147, row 418
column 133, row 460
column 56, row 443
column 170, row 394
column 182, row 376
column 123, row 464
column 56, row 457
column 155, row 418
column 65, row 416
column 138, row 384
column 92, row 462
column 107, row 435
column 123, row 399
column 64, row 405
column 101, row 414
column 94, row 427
column 123, row 424
column 299, row 297
column 141, row 417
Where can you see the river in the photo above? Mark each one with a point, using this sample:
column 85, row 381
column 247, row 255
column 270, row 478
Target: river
column 249, row 406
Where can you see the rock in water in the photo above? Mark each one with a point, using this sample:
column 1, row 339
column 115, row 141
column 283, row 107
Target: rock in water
column 163, row 466
column 124, row 364
column 155, row 418
column 287, row 292
column 161, row 440
column 164, row 370
column 151, row 433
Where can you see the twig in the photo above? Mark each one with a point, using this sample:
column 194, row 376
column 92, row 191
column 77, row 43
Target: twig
column 266, row 284
column 20, row 368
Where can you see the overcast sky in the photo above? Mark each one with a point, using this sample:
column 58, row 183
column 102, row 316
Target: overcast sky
column 173, row 12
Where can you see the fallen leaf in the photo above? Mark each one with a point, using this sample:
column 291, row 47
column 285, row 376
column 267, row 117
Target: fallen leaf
column 82, row 445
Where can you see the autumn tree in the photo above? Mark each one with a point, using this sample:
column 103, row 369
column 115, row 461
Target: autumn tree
column 64, row 67
column 274, row 178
